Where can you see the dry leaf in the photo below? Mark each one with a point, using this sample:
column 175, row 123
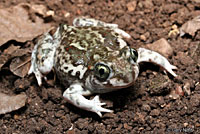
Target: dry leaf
column 3, row 60
column 11, row 49
column 20, row 52
column 10, row 52
column 20, row 66
column 7, row 54
column 190, row 27
column 10, row 103
column 15, row 24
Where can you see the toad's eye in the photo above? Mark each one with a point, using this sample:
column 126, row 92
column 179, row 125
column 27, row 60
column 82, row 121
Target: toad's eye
column 134, row 54
column 101, row 71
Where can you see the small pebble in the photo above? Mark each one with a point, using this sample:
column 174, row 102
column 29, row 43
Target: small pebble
column 146, row 107
column 16, row 117
column 155, row 112
column 131, row 6
column 186, row 88
column 161, row 46
column 143, row 37
column 185, row 124
column 126, row 126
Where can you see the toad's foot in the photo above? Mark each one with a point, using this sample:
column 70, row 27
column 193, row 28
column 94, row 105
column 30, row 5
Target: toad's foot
column 145, row 55
column 74, row 95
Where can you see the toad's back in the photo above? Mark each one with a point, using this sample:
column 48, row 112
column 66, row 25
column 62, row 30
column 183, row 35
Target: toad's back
column 81, row 47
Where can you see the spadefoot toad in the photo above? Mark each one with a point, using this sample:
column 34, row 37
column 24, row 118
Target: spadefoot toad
column 90, row 57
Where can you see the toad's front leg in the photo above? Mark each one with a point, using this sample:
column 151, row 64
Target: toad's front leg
column 145, row 55
column 42, row 58
column 74, row 95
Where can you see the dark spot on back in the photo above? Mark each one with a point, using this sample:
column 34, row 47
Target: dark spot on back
column 77, row 74
column 66, row 68
column 70, row 88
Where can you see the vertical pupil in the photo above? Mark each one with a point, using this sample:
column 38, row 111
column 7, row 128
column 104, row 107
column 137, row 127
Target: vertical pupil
column 101, row 71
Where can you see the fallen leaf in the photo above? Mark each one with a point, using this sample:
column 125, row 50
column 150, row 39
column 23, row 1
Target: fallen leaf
column 3, row 60
column 20, row 65
column 5, row 56
column 10, row 103
column 11, row 49
column 161, row 46
column 190, row 27
column 11, row 52
column 20, row 52
column 15, row 24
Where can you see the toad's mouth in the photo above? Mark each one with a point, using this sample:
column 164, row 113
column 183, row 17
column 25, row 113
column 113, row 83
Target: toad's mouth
column 112, row 84
column 109, row 87
column 119, row 83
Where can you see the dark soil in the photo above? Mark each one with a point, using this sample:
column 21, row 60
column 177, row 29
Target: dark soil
column 142, row 108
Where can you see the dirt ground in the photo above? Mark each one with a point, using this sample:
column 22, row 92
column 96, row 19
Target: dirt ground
column 147, row 106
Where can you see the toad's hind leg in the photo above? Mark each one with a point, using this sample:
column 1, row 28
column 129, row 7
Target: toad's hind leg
column 145, row 55
column 84, row 21
column 42, row 57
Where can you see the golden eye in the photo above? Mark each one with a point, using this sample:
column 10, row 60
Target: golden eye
column 101, row 71
column 134, row 54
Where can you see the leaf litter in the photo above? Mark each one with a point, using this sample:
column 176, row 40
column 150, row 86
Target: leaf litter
column 29, row 28
column 10, row 18
column 10, row 103
column 190, row 27
column 20, row 66
column 17, row 53
column 7, row 54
